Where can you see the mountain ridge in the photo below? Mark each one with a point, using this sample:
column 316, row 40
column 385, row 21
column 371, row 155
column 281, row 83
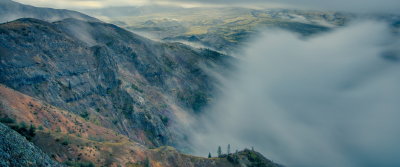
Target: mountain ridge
column 118, row 76
column 11, row 10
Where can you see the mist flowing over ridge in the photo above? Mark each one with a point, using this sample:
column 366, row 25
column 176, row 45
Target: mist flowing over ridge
column 11, row 10
column 326, row 100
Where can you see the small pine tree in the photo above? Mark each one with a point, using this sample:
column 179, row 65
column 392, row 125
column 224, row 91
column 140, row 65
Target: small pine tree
column 31, row 131
column 147, row 162
column 229, row 149
column 252, row 148
column 22, row 125
column 209, row 155
column 219, row 151
column 69, row 85
column 236, row 156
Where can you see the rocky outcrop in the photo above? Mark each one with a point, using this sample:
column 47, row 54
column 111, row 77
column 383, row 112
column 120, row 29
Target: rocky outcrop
column 15, row 150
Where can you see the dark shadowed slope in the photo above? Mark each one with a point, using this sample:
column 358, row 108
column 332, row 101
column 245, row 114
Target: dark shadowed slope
column 10, row 10
column 15, row 150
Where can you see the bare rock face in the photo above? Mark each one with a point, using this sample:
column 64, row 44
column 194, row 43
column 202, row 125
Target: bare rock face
column 108, row 75
column 15, row 150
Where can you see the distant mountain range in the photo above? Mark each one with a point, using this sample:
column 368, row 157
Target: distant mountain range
column 224, row 29
column 221, row 29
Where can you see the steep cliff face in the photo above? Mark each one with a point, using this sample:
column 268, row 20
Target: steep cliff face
column 15, row 150
column 124, row 82
column 10, row 10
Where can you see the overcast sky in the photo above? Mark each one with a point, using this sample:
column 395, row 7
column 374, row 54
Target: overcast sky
column 392, row 6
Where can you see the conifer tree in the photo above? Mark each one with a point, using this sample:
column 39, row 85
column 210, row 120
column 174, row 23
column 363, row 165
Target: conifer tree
column 219, row 151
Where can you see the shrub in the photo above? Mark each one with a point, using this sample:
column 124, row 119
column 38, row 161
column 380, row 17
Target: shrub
column 85, row 115
column 164, row 119
column 134, row 87
column 21, row 128
column 7, row 120
column 65, row 142
column 79, row 164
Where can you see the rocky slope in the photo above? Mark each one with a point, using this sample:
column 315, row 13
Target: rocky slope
column 10, row 10
column 15, row 150
column 66, row 136
column 124, row 82
column 71, row 139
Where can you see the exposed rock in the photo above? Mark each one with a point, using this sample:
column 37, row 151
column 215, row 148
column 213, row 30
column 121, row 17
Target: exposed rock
column 15, row 150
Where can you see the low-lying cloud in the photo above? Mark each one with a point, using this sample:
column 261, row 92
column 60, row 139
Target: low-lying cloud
column 326, row 101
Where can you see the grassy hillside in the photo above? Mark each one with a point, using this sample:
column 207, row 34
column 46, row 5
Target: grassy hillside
column 76, row 141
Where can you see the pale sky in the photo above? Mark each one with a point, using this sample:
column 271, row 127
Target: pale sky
column 365, row 6
column 79, row 4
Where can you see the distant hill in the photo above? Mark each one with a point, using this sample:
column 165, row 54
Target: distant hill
column 10, row 10
column 223, row 29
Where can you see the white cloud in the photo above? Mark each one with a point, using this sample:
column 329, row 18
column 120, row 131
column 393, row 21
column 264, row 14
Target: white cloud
column 330, row 100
